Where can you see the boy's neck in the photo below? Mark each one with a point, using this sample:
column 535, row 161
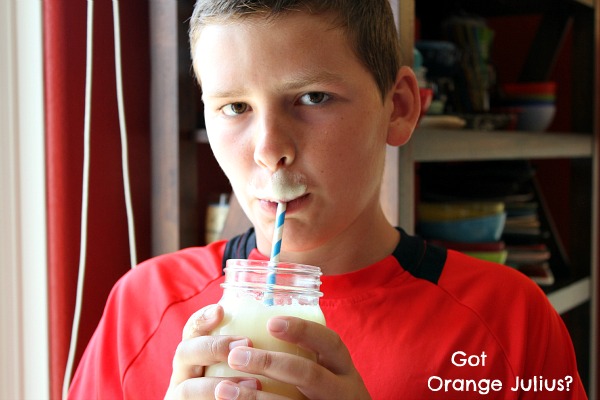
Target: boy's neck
column 354, row 249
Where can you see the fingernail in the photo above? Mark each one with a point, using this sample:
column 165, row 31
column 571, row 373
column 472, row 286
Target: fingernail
column 239, row 357
column 278, row 325
column 251, row 384
column 227, row 391
column 238, row 343
column 209, row 313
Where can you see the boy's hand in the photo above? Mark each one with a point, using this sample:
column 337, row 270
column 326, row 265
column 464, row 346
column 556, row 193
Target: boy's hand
column 196, row 351
column 332, row 376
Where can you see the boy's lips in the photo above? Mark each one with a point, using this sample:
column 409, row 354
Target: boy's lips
column 291, row 205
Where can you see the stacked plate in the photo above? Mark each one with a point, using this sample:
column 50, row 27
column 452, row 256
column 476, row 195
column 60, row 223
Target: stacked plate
column 525, row 242
column 473, row 227
column 534, row 103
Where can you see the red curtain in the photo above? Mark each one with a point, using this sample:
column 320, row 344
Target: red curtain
column 108, row 254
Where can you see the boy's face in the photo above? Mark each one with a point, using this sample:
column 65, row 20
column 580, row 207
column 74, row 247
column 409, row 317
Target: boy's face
column 288, row 97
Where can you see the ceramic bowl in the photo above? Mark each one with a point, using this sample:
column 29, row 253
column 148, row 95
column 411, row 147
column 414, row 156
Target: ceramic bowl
column 498, row 257
column 535, row 117
column 470, row 230
column 426, row 95
column 529, row 89
column 470, row 247
column 458, row 210
column 441, row 58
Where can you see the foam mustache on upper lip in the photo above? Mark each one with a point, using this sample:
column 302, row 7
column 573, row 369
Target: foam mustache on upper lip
column 281, row 187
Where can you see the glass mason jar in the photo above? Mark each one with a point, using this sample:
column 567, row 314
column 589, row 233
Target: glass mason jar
column 249, row 301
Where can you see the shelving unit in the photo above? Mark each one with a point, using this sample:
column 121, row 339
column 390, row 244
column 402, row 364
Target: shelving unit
column 429, row 145
column 437, row 145
column 460, row 145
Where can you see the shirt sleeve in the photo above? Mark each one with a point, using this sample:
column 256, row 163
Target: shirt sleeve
column 551, row 373
column 132, row 318
column 98, row 375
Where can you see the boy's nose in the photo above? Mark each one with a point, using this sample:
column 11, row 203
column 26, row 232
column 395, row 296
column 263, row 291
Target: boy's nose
column 274, row 145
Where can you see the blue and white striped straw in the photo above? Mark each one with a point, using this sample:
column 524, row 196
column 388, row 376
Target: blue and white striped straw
column 278, row 232
column 275, row 251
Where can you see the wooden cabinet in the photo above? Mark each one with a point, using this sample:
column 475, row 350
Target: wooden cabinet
column 177, row 160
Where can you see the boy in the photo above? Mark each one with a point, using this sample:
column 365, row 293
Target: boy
column 308, row 94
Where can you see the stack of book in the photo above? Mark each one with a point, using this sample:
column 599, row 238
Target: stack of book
column 525, row 240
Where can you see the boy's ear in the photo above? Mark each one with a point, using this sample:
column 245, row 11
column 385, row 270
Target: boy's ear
column 406, row 103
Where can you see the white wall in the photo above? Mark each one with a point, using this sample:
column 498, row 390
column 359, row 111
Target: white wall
column 24, row 369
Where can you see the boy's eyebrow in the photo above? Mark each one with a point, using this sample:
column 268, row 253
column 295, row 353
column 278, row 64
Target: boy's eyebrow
column 298, row 81
column 308, row 78
column 222, row 93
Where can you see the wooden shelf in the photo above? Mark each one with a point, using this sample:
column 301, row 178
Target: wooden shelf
column 461, row 145
column 567, row 296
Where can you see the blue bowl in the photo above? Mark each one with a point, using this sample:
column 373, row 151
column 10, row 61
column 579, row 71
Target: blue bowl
column 470, row 230
column 441, row 58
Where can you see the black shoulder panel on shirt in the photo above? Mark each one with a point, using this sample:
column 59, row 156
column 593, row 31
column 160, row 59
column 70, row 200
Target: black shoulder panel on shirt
column 419, row 258
column 239, row 246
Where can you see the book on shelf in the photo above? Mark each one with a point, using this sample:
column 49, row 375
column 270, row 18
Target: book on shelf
column 540, row 273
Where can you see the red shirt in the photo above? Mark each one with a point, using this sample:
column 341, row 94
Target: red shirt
column 474, row 331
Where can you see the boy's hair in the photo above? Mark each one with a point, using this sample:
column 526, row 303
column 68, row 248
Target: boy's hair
column 369, row 25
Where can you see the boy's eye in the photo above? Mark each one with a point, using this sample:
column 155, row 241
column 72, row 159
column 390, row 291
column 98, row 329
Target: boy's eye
column 234, row 109
column 313, row 98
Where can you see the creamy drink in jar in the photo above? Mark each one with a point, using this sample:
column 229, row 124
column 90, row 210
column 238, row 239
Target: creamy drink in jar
column 249, row 302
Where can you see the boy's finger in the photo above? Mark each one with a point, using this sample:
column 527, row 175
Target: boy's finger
column 209, row 387
column 203, row 321
column 331, row 352
column 291, row 369
column 240, row 389
column 192, row 355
